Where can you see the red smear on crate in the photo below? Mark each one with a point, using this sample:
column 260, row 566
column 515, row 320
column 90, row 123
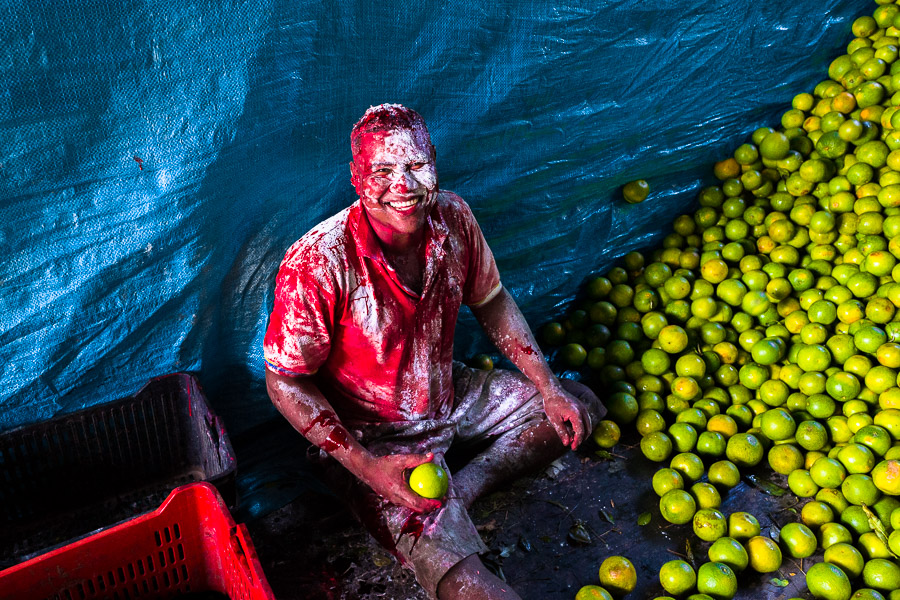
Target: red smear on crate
column 337, row 436
column 140, row 162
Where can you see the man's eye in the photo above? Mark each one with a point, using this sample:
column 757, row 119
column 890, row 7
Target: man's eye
column 417, row 166
column 384, row 171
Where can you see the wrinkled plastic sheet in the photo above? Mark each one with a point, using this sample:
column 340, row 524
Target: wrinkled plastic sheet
column 158, row 158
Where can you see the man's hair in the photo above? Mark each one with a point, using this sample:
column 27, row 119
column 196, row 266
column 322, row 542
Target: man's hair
column 388, row 117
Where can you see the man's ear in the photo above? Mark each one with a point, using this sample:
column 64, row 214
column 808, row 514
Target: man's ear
column 354, row 175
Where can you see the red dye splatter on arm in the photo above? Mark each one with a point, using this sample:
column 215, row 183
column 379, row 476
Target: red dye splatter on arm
column 140, row 162
column 527, row 350
column 337, row 436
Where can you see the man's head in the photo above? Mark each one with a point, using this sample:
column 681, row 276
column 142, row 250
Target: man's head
column 393, row 168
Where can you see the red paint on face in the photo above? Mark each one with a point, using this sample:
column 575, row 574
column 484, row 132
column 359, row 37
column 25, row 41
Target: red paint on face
column 395, row 177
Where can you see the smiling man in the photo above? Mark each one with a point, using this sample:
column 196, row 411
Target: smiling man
column 359, row 357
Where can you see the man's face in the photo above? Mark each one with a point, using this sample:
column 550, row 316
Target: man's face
column 395, row 177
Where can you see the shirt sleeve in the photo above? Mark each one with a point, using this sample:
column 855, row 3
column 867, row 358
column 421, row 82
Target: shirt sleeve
column 298, row 338
column 483, row 278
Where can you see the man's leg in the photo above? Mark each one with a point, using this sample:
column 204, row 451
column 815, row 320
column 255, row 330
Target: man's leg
column 519, row 452
column 469, row 579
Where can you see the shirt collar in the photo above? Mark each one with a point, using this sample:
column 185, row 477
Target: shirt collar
column 366, row 240
column 436, row 231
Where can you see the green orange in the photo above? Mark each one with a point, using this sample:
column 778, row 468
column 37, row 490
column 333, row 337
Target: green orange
column 618, row 575
column 717, row 580
column 765, row 555
column 729, row 551
column 429, row 480
column 828, row 582
column 677, row 506
column 677, row 577
column 635, row 191
column 592, row 592
column 606, row 434
column 798, row 540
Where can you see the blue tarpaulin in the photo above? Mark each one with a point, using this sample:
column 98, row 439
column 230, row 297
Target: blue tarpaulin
column 158, row 158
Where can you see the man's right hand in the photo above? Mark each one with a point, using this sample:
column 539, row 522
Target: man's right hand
column 386, row 475
column 301, row 402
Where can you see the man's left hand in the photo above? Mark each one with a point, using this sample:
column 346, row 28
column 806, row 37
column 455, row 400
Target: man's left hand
column 568, row 416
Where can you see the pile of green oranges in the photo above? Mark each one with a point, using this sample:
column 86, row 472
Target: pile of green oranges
column 766, row 329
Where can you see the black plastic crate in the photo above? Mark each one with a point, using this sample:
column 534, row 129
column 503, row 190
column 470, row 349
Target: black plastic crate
column 64, row 478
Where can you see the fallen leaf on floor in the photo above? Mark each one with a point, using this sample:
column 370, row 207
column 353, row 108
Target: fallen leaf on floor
column 494, row 566
column 559, row 504
column 489, row 526
column 765, row 485
column 578, row 533
column 381, row 560
column 555, row 468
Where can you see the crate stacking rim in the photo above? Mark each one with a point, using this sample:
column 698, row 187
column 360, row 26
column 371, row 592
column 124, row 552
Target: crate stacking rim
column 190, row 544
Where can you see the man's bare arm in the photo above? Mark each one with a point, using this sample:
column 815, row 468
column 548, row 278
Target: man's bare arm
column 507, row 329
column 309, row 412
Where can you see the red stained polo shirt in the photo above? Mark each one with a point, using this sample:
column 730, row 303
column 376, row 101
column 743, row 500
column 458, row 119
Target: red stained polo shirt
column 379, row 351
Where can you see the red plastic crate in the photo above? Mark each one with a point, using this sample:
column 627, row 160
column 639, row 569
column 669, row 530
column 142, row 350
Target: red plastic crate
column 190, row 544
column 80, row 472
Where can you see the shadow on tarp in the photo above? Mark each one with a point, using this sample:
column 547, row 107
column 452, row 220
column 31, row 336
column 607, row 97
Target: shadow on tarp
column 159, row 158
column 272, row 469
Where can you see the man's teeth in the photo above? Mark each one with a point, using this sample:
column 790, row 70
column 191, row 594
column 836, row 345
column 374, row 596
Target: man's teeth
column 405, row 204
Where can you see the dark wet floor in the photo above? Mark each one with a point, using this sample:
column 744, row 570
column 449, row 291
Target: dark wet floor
column 312, row 549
